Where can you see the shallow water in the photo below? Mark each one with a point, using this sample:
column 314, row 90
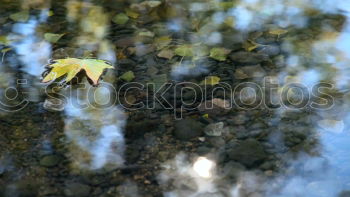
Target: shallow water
column 207, row 98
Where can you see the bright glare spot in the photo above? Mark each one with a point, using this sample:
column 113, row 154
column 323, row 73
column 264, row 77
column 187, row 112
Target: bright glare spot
column 203, row 167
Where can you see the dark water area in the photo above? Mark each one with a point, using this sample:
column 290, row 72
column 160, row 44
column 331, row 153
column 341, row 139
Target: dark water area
column 242, row 98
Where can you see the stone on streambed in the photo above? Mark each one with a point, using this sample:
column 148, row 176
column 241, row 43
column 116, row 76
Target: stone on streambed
column 270, row 50
column 214, row 129
column 248, row 152
column 344, row 194
column 187, row 129
column 232, row 169
column 248, row 57
column 215, row 107
column 50, row 160
column 76, row 189
column 245, row 72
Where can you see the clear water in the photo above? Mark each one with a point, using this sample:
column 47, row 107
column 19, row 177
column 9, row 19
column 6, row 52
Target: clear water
column 278, row 126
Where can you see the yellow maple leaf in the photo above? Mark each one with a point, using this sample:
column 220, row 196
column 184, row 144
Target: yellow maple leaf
column 70, row 67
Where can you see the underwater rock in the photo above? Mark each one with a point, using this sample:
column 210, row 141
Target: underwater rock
column 187, row 129
column 248, row 152
column 136, row 129
column 245, row 72
column 239, row 119
column 215, row 129
column 271, row 50
column 215, row 107
column 53, row 104
column 232, row 169
column 50, row 160
column 344, row 194
column 76, row 189
column 248, row 57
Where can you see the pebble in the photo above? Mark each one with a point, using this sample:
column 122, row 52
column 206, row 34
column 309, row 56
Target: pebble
column 216, row 142
column 239, row 119
column 50, row 160
column 232, row 169
column 248, row 57
column 245, row 72
column 270, row 50
column 344, row 194
column 248, row 152
column 54, row 104
column 76, row 189
column 187, row 129
column 215, row 129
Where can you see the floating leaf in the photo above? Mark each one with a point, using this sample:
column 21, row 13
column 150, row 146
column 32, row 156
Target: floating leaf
column 128, row 76
column 162, row 42
column 166, row 53
column 120, row 19
column 70, row 67
column 132, row 14
column 277, row 32
column 211, row 80
column 22, row 16
column 219, row 53
column 184, row 50
column 53, row 38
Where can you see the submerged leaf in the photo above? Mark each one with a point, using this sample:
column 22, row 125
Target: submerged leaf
column 4, row 40
column 200, row 50
column 151, row 4
column 120, row 19
column 6, row 50
column 53, row 38
column 70, row 67
column 121, row 55
column 146, row 34
column 278, row 31
column 211, row 80
column 128, row 76
column 229, row 21
column 184, row 50
column 132, row 14
column 250, row 45
column 219, row 53
column 22, row 16
column 162, row 42
column 166, row 53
